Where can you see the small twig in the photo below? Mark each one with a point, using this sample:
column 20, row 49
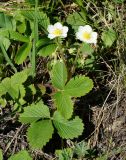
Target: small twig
column 15, row 144
column 15, row 136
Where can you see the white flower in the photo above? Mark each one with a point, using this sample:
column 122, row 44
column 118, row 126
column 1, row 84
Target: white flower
column 86, row 34
column 57, row 30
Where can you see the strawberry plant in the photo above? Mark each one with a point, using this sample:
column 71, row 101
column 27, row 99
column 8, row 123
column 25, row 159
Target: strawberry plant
column 46, row 61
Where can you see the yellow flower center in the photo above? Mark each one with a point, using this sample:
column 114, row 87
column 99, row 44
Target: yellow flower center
column 57, row 32
column 86, row 35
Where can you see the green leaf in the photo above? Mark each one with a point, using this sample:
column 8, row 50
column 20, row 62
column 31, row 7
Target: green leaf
column 5, row 86
column 87, row 49
column 10, row 34
column 64, row 154
column 68, row 129
column 1, row 155
column 18, row 37
column 39, row 133
column 44, row 41
column 5, row 41
column 20, row 77
column 7, row 22
column 22, row 155
column 22, row 91
column 42, row 18
column 47, row 50
column 109, row 37
column 23, row 52
column 16, row 84
column 59, row 75
column 12, row 85
column 77, row 19
column 18, row 16
column 3, row 102
column 21, row 27
column 32, row 89
column 81, row 149
column 78, row 86
column 34, row 112
column 64, row 104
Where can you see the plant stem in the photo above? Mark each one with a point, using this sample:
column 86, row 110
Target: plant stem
column 60, row 48
column 74, row 64
column 75, row 61
column 7, row 57
column 35, row 40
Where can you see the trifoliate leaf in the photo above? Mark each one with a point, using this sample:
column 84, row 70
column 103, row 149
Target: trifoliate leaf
column 109, row 37
column 64, row 104
column 39, row 133
column 22, row 155
column 78, row 86
column 59, row 75
column 34, row 112
column 68, row 129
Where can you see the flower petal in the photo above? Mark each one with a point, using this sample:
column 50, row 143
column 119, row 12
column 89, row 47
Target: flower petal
column 58, row 25
column 51, row 36
column 94, row 36
column 50, row 28
column 81, row 28
column 87, row 28
column 84, row 31
column 65, row 30
column 64, row 35
column 78, row 35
